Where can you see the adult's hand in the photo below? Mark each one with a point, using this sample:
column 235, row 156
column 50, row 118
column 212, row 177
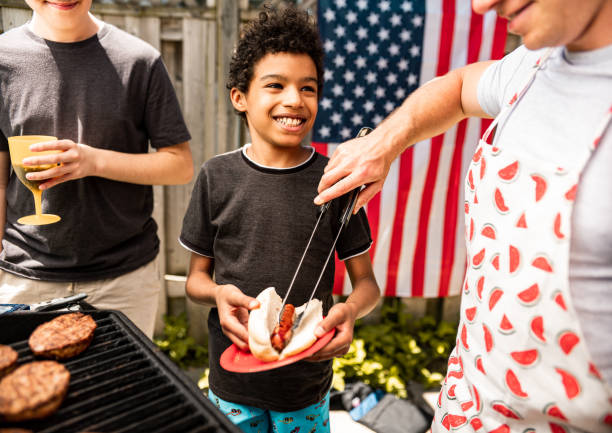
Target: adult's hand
column 74, row 162
column 360, row 161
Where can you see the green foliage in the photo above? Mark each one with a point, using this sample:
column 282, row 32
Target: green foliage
column 179, row 346
column 398, row 349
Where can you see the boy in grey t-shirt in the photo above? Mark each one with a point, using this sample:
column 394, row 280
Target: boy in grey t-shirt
column 105, row 94
column 250, row 218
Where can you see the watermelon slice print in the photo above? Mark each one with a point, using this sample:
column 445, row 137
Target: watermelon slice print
column 522, row 221
column 464, row 338
column 530, row 296
column 551, row 409
column 501, row 429
column 488, row 338
column 526, row 358
column 509, row 173
column 466, row 207
column 479, row 365
column 593, row 371
column 570, row 195
column 476, row 423
column 453, row 421
column 471, row 229
column 488, row 231
column 466, row 287
column 514, row 386
column 499, row 202
column 475, row 198
column 478, row 259
column 476, row 396
column 556, row 428
column 495, row 150
column 495, row 261
column 567, row 341
column 466, row 405
column 494, row 298
column 540, row 186
column 477, row 154
column 558, row 298
column 570, row 383
column 450, row 392
column 470, row 314
column 505, row 410
column 505, row 326
column 470, row 180
column 557, row 227
column 483, row 167
column 541, row 262
column 514, row 259
column 480, row 287
column 537, row 328
column 440, row 399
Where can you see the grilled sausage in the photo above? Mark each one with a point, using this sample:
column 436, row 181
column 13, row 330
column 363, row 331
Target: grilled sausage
column 283, row 331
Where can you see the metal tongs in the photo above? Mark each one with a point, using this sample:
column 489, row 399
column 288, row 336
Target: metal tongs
column 344, row 219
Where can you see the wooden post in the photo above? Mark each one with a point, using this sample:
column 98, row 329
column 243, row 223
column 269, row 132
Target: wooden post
column 13, row 17
column 228, row 22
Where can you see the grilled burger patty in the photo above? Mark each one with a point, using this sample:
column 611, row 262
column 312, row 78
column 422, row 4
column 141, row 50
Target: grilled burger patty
column 34, row 390
column 63, row 337
column 8, row 360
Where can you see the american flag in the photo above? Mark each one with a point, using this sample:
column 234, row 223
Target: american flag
column 376, row 53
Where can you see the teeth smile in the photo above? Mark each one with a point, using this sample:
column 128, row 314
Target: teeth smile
column 290, row 121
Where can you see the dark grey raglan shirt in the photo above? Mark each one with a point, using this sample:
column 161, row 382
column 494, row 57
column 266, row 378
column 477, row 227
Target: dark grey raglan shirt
column 255, row 222
column 110, row 91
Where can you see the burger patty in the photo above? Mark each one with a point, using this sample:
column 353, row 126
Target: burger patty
column 34, row 390
column 8, row 360
column 63, row 337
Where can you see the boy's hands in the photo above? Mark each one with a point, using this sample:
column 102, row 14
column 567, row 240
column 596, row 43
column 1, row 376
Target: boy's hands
column 76, row 161
column 234, row 307
column 342, row 316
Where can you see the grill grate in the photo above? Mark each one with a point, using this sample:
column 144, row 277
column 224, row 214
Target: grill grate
column 121, row 383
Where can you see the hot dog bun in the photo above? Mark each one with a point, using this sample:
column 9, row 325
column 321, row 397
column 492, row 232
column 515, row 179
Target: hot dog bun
column 263, row 320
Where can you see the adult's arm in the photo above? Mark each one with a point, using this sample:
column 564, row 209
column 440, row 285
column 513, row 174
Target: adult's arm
column 171, row 165
column 4, row 177
column 427, row 112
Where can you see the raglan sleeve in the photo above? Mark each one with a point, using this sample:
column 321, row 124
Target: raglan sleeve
column 505, row 77
column 163, row 117
column 198, row 231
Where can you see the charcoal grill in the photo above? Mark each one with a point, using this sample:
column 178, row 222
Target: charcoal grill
column 120, row 383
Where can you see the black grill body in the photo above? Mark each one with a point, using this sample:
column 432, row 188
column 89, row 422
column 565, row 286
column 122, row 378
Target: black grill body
column 120, row 383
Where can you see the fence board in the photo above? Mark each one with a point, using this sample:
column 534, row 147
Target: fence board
column 13, row 17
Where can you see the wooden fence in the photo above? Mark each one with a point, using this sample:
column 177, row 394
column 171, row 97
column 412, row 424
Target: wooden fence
column 196, row 43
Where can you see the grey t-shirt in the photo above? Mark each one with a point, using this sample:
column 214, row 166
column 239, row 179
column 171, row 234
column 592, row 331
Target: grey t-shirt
column 255, row 222
column 110, row 91
column 560, row 112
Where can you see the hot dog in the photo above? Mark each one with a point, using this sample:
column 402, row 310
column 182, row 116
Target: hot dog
column 271, row 340
column 282, row 332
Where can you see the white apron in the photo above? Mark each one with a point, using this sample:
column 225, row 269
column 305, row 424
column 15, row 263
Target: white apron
column 521, row 363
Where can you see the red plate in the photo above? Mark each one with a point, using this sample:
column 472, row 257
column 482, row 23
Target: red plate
column 238, row 361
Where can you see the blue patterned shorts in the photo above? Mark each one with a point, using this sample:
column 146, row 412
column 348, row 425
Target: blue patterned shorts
column 312, row 419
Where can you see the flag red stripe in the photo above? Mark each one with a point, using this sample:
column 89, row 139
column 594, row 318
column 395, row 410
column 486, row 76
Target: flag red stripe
column 373, row 211
column 454, row 181
column 499, row 39
column 420, row 249
column 395, row 249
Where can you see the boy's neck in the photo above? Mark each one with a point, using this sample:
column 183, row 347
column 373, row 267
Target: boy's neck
column 85, row 29
column 278, row 157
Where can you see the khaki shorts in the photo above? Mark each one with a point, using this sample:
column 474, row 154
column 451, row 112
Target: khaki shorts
column 136, row 294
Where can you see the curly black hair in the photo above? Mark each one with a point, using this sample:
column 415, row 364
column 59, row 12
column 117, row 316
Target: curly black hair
column 287, row 30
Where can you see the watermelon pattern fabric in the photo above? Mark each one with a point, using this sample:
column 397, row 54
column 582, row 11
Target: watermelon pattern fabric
column 520, row 363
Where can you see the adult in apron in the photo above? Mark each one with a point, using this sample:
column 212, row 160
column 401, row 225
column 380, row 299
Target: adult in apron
column 521, row 363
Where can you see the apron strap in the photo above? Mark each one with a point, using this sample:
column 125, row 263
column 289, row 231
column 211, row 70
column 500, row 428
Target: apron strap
column 509, row 106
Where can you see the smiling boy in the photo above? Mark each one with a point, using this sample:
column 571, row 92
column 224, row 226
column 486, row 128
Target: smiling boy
column 250, row 218
column 106, row 95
